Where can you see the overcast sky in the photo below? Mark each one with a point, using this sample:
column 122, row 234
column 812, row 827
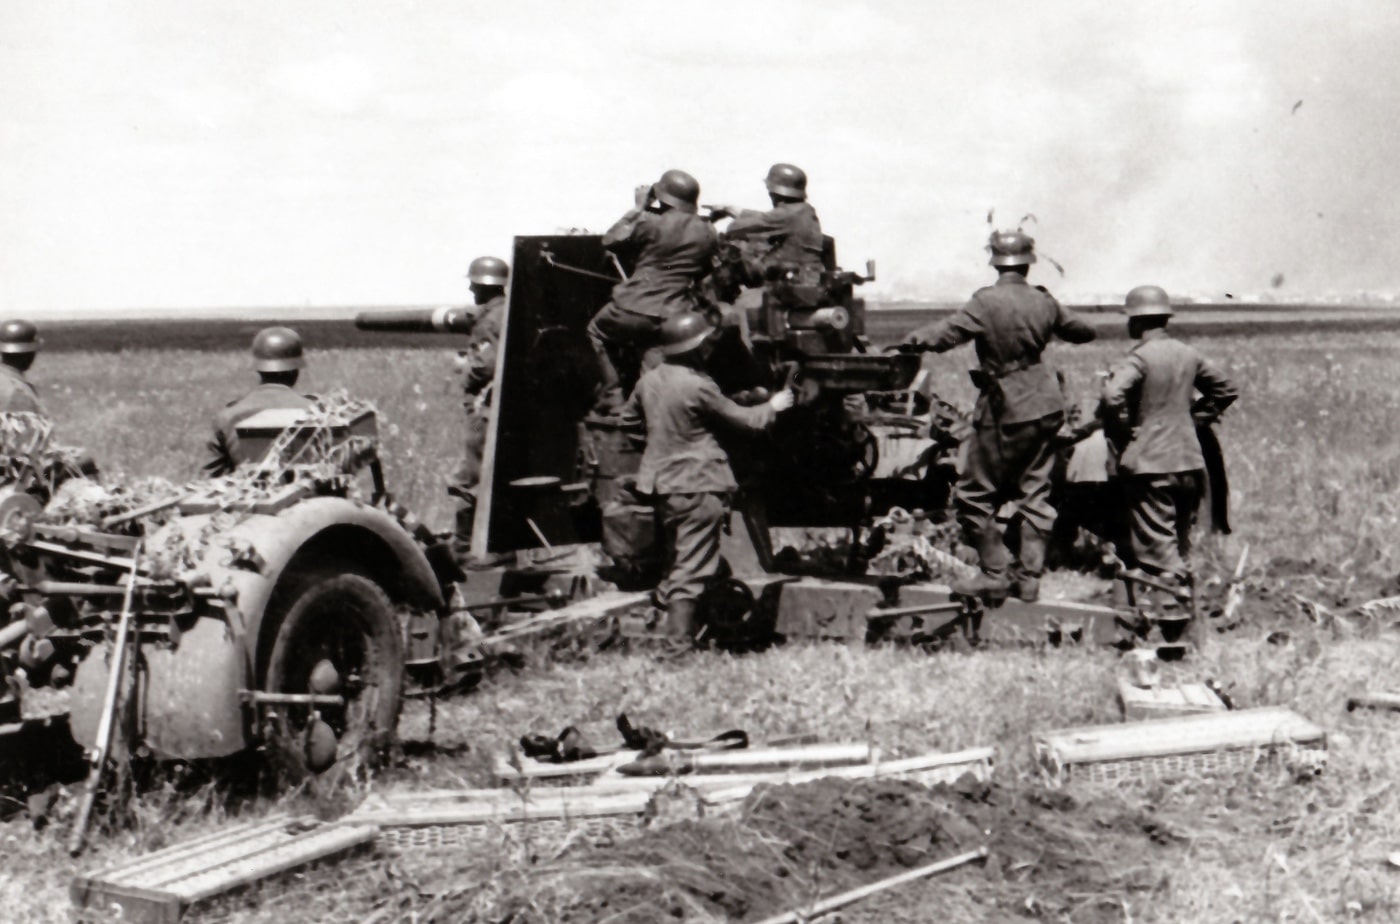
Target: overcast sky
column 164, row 153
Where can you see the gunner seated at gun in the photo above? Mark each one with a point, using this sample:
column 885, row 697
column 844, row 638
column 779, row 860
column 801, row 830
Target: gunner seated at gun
column 786, row 239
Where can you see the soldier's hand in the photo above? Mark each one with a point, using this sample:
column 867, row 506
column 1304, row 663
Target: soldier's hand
column 721, row 211
column 642, row 196
column 913, row 342
column 782, row 400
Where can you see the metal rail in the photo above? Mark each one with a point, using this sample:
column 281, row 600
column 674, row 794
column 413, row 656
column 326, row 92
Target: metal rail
column 548, row 257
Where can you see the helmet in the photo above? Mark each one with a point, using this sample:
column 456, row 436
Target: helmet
column 277, row 349
column 19, row 337
column 786, row 180
column 683, row 332
column 1011, row 248
column 678, row 189
column 1147, row 301
column 488, row 271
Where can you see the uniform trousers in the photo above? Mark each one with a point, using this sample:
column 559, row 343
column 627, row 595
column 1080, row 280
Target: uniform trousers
column 694, row 524
column 1008, row 463
column 463, row 482
column 611, row 328
column 1161, row 515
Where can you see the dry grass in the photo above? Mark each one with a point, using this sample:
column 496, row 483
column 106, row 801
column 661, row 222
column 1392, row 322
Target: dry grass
column 1315, row 454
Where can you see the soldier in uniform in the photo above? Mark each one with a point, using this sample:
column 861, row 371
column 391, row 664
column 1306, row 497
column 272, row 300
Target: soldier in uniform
column 787, row 237
column 1010, row 452
column 488, row 277
column 19, row 344
column 277, row 357
column 684, row 465
column 674, row 249
column 1150, row 392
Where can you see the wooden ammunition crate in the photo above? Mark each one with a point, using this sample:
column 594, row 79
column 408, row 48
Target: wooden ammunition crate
column 1218, row 742
column 157, row 887
column 1162, row 702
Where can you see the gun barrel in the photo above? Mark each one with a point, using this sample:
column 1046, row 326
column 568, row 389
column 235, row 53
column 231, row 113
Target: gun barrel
column 418, row 320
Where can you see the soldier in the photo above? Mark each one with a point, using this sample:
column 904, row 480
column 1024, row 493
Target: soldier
column 684, row 465
column 19, row 344
column 674, row 250
column 277, row 356
column 788, row 236
column 1010, row 452
column 1150, row 392
column 488, row 277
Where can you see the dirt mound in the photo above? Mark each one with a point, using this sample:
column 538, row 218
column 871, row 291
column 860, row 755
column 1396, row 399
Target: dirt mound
column 1051, row 856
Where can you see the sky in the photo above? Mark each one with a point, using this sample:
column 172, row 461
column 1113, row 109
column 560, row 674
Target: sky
column 167, row 154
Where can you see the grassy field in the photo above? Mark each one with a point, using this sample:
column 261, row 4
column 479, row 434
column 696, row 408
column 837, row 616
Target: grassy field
column 1313, row 444
column 1314, row 449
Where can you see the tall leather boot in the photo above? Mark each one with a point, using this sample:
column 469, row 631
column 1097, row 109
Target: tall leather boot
column 991, row 584
column 1030, row 565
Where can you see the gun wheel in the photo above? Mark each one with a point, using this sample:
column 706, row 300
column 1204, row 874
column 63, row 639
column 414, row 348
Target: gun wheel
column 340, row 635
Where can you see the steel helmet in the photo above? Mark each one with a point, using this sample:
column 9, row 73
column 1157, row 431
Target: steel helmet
column 683, row 332
column 277, row 349
column 678, row 189
column 786, row 180
column 19, row 337
column 488, row 271
column 1011, row 248
column 1147, row 301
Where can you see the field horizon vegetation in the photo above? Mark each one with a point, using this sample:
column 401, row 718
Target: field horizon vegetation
column 1314, row 453
column 333, row 328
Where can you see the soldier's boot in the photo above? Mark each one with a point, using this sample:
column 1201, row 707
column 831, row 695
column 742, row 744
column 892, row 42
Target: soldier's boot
column 991, row 584
column 1030, row 565
column 991, row 587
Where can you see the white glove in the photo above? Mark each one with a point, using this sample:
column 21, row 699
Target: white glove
column 782, row 400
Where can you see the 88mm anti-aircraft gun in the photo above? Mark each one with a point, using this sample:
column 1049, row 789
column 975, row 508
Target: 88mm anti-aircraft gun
column 863, row 440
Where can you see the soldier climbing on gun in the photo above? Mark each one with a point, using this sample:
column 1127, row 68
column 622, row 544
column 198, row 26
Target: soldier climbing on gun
column 672, row 249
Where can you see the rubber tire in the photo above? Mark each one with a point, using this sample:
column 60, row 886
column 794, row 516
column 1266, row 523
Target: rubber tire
column 366, row 603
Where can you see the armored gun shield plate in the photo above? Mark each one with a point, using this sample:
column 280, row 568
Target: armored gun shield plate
column 545, row 381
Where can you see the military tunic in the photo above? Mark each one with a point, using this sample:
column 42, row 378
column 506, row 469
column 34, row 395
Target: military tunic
column 1151, row 391
column 686, row 468
column 791, row 232
column 17, row 394
column 674, row 250
column 480, row 354
column 225, row 452
column 1009, row 454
